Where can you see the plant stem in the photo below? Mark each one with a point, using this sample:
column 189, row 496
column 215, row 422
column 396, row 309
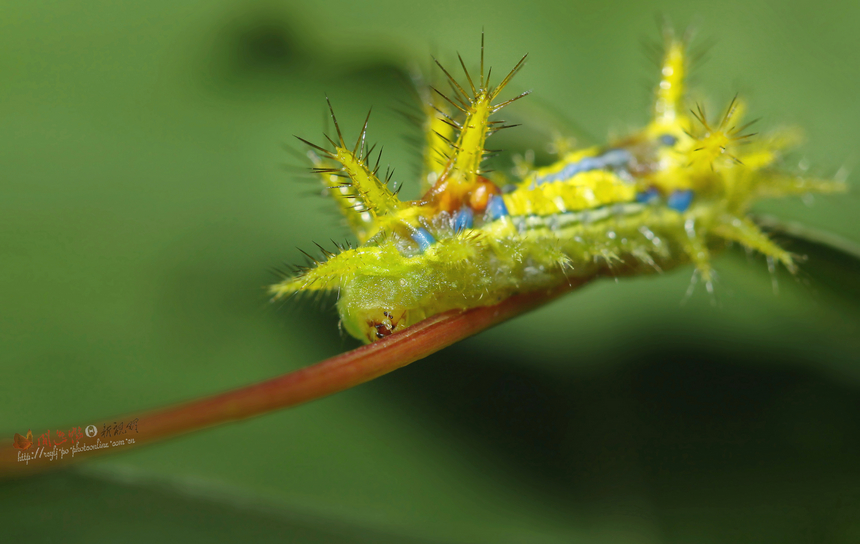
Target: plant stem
column 316, row 381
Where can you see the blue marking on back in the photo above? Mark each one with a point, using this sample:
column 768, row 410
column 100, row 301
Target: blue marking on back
column 616, row 158
column 464, row 219
column 612, row 159
column 496, row 207
column 648, row 196
column 668, row 140
column 423, row 238
column 680, row 200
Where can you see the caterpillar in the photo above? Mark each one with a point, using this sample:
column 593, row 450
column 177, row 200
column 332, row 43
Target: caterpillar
column 669, row 194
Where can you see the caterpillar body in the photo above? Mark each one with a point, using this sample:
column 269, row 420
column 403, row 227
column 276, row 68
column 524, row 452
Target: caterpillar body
column 669, row 194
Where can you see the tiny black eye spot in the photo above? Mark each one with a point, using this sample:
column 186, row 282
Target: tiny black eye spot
column 668, row 140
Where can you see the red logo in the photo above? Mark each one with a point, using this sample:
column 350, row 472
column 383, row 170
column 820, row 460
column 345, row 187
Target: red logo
column 23, row 442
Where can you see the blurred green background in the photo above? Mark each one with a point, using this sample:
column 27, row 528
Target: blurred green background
column 144, row 200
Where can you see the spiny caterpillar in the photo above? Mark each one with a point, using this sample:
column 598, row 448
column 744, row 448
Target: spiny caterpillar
column 666, row 195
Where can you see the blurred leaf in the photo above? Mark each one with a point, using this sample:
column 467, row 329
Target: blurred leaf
column 125, row 506
column 142, row 202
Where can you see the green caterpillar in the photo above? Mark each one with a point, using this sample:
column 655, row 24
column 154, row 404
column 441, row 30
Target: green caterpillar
column 669, row 194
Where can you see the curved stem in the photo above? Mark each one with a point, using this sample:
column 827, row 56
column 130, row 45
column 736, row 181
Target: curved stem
column 316, row 381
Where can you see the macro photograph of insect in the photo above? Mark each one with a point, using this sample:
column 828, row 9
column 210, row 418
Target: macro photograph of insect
column 430, row 273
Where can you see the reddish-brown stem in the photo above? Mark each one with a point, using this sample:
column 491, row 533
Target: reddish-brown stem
column 324, row 378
